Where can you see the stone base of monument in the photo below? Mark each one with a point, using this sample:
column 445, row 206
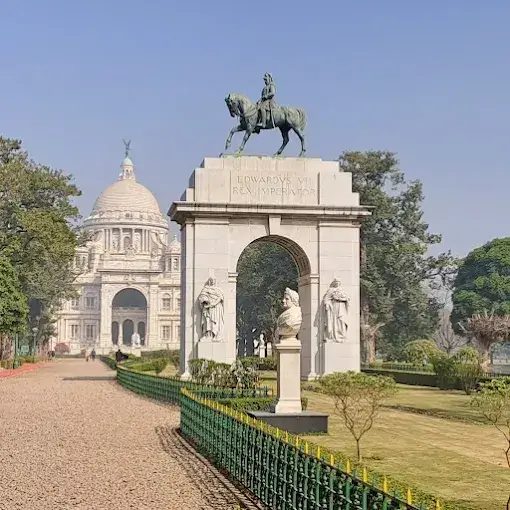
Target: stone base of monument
column 220, row 352
column 339, row 357
column 304, row 422
column 137, row 351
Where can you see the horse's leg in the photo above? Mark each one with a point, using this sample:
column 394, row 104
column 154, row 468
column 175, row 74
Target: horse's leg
column 285, row 136
column 235, row 129
column 249, row 131
column 302, row 138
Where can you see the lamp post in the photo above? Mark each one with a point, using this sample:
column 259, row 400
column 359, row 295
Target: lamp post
column 15, row 363
column 34, row 333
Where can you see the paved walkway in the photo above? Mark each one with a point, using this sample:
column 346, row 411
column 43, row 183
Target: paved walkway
column 71, row 438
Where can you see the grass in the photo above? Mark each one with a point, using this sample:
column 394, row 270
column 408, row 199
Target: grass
column 430, row 439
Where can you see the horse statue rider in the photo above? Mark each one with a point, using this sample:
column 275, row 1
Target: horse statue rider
column 266, row 102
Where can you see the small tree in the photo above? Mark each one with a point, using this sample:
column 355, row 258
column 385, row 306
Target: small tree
column 468, row 368
column 493, row 403
column 487, row 329
column 358, row 399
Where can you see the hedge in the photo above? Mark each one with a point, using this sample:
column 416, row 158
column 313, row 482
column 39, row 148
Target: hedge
column 417, row 378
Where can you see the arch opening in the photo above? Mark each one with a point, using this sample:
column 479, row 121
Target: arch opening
column 129, row 316
column 264, row 269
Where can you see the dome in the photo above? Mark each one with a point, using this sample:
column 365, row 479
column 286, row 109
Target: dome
column 126, row 200
column 126, row 195
column 175, row 245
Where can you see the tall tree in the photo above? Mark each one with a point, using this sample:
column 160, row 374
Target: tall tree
column 265, row 270
column 395, row 268
column 13, row 305
column 38, row 229
column 482, row 283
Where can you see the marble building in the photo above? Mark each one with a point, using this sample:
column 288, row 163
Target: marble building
column 129, row 274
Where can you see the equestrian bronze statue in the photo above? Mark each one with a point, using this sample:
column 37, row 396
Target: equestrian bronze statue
column 265, row 114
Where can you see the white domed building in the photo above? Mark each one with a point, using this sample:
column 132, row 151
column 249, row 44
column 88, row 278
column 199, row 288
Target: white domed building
column 129, row 279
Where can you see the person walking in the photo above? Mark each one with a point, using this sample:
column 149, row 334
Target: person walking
column 93, row 355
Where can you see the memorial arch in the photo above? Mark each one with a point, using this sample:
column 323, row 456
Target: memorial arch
column 129, row 315
column 307, row 206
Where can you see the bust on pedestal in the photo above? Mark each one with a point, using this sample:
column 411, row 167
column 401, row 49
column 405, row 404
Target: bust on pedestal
column 288, row 413
column 288, row 350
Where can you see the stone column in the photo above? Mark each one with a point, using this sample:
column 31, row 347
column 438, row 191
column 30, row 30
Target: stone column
column 289, row 383
column 187, row 312
column 105, row 325
column 152, row 338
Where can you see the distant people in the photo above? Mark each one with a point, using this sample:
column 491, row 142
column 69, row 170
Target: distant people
column 93, row 355
column 87, row 355
column 120, row 356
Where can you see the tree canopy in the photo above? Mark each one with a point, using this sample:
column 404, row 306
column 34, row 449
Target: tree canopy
column 264, row 269
column 38, row 230
column 395, row 265
column 482, row 283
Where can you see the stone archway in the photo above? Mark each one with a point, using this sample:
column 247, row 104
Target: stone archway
column 295, row 266
column 305, row 204
column 129, row 314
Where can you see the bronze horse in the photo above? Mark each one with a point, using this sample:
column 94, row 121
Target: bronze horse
column 282, row 117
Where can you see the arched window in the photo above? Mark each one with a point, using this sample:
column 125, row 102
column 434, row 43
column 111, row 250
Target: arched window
column 90, row 302
column 166, row 302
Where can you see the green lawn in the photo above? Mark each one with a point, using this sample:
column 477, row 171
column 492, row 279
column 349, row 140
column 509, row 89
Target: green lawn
column 448, row 452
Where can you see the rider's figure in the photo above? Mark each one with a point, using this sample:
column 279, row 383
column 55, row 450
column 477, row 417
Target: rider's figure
column 266, row 103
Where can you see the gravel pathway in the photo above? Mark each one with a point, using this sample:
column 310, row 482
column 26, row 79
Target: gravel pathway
column 71, row 438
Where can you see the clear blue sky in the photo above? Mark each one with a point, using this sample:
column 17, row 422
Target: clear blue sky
column 428, row 80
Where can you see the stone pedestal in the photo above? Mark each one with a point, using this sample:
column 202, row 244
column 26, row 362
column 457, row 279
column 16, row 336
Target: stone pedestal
column 137, row 351
column 217, row 351
column 289, row 380
column 340, row 357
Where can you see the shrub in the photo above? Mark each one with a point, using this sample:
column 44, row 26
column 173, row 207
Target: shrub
column 266, row 364
column 420, row 352
column 62, row 348
column 445, row 368
column 159, row 365
column 357, row 398
column 171, row 354
column 402, row 377
column 245, row 373
column 468, row 368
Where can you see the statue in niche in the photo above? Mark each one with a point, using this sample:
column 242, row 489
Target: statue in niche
column 336, row 308
column 138, row 242
column 135, row 340
column 115, row 242
column 289, row 322
column 211, row 300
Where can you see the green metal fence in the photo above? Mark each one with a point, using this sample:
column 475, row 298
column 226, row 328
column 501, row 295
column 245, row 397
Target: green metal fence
column 168, row 389
column 282, row 471
column 282, row 474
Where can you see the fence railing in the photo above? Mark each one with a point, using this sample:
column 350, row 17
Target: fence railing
column 168, row 389
column 277, row 470
column 281, row 470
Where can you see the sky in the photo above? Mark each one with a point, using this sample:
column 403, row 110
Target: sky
column 427, row 80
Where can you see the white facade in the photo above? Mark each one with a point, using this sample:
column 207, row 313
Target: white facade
column 305, row 205
column 129, row 277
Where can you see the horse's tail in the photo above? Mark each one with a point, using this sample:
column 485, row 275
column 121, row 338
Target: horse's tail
column 301, row 119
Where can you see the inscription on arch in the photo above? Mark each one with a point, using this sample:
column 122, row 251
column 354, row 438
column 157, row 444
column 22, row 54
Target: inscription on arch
column 273, row 188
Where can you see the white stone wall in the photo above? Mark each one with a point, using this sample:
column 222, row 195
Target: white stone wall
column 306, row 205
